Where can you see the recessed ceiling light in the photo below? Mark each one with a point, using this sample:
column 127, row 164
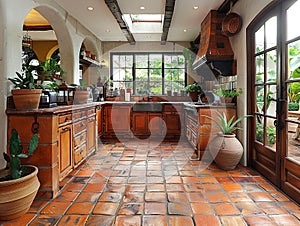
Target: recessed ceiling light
column 107, row 30
column 184, row 30
column 196, row 7
column 91, row 8
column 142, row 7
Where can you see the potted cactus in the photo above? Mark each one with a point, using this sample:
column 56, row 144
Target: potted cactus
column 18, row 183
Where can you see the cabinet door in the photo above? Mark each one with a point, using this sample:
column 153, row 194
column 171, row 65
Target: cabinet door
column 65, row 150
column 99, row 120
column 173, row 123
column 140, row 123
column 91, row 134
column 117, row 119
column 155, row 124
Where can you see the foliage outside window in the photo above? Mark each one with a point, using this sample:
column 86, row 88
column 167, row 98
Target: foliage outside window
column 148, row 73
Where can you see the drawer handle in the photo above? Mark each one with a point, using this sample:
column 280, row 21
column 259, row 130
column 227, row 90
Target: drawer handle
column 65, row 129
column 67, row 119
column 81, row 137
column 81, row 124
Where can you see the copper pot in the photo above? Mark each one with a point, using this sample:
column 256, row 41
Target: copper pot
column 231, row 24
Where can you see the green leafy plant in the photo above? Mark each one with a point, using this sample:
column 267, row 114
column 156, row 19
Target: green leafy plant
column 52, row 67
column 16, row 153
column 271, row 133
column 25, row 79
column 227, row 126
column 195, row 87
column 221, row 92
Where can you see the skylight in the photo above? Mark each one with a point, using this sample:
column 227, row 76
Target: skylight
column 144, row 23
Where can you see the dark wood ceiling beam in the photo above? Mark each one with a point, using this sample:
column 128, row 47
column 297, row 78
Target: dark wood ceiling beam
column 169, row 10
column 37, row 28
column 116, row 11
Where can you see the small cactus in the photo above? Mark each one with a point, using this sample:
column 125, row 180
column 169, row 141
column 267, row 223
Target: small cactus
column 16, row 153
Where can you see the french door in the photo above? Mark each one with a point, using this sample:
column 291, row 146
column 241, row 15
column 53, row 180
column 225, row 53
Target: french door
column 273, row 42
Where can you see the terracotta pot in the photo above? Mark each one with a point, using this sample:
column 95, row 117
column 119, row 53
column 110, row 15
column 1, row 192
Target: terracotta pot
column 226, row 151
column 81, row 97
column 226, row 99
column 17, row 195
column 26, row 99
column 194, row 96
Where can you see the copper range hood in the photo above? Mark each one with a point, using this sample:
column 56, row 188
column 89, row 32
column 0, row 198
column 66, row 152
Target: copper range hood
column 215, row 56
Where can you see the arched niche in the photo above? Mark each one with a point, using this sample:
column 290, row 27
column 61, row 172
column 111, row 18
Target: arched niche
column 64, row 39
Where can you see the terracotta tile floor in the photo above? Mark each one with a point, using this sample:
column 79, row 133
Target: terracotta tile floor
column 136, row 184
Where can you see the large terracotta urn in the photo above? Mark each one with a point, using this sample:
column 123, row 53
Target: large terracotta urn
column 226, row 151
column 17, row 195
column 26, row 99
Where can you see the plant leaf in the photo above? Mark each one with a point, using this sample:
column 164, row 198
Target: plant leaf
column 33, row 144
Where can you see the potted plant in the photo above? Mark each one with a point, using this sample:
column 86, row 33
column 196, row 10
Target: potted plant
column 81, row 94
column 194, row 91
column 294, row 96
column 18, row 184
column 225, row 148
column 26, row 93
column 226, row 96
column 50, row 69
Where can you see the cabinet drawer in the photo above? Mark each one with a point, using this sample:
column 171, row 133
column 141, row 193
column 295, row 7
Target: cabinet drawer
column 91, row 111
column 79, row 114
column 79, row 153
column 79, row 126
column 79, row 139
column 64, row 119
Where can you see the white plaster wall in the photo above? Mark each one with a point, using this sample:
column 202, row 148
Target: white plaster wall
column 70, row 35
column 247, row 9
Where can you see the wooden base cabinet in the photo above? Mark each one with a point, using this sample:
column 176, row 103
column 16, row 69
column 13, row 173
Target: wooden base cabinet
column 199, row 129
column 147, row 123
column 67, row 135
column 174, row 119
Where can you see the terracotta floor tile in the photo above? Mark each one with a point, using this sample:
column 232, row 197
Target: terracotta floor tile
column 290, row 207
column 155, row 220
column 206, row 220
column 66, row 196
column 177, row 197
column 131, row 209
column 193, row 187
column 278, row 196
column 196, row 197
column 56, row 208
column 217, row 197
column 261, row 197
column 224, row 179
column 179, row 209
column 226, row 209
column 72, row 220
column 174, row 187
column 80, row 208
column 271, row 208
column 173, row 180
column 155, row 180
column 36, row 206
column 88, row 197
column 202, row 208
column 106, row 208
column 85, row 173
column 119, row 188
column 117, row 180
column 180, row 221
column 135, row 188
column 94, row 188
column 248, row 208
column 133, row 197
column 137, row 180
column 232, row 187
column 21, row 221
column 155, row 197
column 100, row 220
column 243, row 180
column 155, row 208
column 232, row 221
column 191, row 180
column 284, row 220
column 267, row 187
column 48, row 220
column 239, row 197
column 74, row 187
column 155, row 187
column 128, row 220
column 257, row 220
column 208, row 180
column 110, row 197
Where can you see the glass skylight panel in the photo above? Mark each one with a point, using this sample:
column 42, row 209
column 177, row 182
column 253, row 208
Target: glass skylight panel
column 144, row 23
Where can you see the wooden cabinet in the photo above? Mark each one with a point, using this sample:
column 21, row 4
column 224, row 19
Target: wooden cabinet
column 99, row 120
column 146, row 123
column 200, row 129
column 117, row 120
column 67, row 135
column 174, row 120
column 65, row 151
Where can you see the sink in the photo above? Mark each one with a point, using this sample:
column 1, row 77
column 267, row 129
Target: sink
column 147, row 107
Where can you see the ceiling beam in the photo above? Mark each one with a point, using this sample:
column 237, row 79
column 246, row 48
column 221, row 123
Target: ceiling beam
column 169, row 10
column 116, row 11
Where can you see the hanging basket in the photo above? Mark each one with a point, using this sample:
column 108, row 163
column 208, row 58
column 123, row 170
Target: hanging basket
column 232, row 24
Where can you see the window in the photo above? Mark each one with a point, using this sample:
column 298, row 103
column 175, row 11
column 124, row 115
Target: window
column 148, row 73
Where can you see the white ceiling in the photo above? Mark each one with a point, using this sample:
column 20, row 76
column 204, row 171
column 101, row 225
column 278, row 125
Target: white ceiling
column 101, row 19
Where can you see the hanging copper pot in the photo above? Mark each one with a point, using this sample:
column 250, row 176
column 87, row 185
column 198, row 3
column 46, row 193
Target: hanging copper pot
column 231, row 24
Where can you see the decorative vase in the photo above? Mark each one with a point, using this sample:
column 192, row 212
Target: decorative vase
column 26, row 99
column 81, row 97
column 226, row 151
column 17, row 195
